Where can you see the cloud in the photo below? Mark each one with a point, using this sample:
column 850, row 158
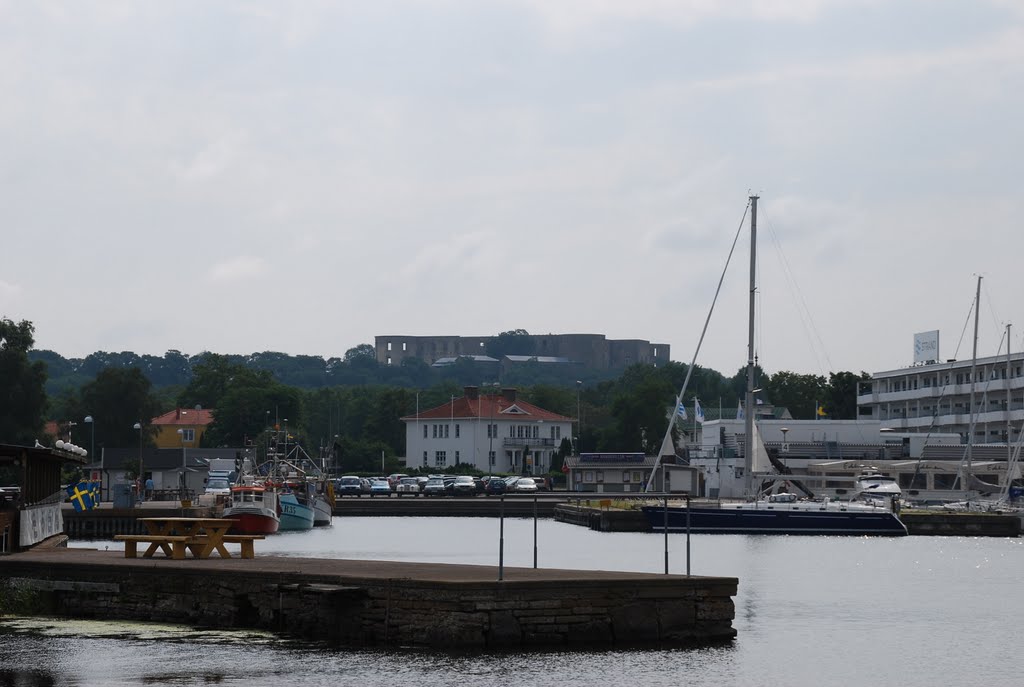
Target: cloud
column 238, row 268
column 9, row 292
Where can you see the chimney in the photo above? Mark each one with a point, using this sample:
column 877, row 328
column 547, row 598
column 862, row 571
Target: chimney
column 472, row 392
column 509, row 394
column 177, row 413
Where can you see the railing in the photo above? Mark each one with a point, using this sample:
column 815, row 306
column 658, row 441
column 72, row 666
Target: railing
column 513, row 441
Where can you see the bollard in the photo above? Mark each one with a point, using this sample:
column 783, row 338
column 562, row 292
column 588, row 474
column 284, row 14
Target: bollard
column 501, row 539
column 534, row 531
column 666, row 535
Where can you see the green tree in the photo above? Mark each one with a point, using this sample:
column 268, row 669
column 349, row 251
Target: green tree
column 23, row 393
column 799, row 393
column 214, row 375
column 840, row 400
column 514, row 342
column 116, row 399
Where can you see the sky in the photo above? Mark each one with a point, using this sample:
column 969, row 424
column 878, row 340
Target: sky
column 304, row 176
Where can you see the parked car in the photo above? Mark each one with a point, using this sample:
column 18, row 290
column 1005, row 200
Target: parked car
column 434, row 487
column 394, row 478
column 408, row 485
column 526, row 485
column 349, row 485
column 464, row 485
column 380, row 487
column 495, row 486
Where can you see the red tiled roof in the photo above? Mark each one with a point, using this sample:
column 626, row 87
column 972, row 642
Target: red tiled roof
column 487, row 407
column 185, row 416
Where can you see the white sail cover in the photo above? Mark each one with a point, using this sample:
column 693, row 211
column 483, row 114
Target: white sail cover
column 760, row 464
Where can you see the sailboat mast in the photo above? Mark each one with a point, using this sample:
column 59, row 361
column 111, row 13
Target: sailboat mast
column 974, row 381
column 1009, row 424
column 748, row 415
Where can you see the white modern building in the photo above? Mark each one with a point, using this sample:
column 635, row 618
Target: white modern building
column 935, row 397
column 491, row 432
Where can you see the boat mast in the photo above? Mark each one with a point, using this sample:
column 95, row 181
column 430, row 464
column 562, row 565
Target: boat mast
column 748, row 415
column 1009, row 424
column 974, row 380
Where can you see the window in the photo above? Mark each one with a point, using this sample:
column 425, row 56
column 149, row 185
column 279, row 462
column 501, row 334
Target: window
column 424, row 431
column 490, row 458
column 403, row 346
column 457, row 459
column 558, row 432
column 188, row 435
column 600, row 475
column 456, row 431
column 552, row 431
column 536, row 432
column 389, row 345
column 625, row 476
column 588, row 476
column 389, row 360
column 424, row 459
column 440, row 458
column 434, row 431
column 446, row 431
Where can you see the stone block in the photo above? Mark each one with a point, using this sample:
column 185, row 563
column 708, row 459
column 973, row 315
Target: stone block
column 635, row 622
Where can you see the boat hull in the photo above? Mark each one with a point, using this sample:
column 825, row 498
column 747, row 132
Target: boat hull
column 321, row 512
column 294, row 515
column 253, row 523
column 806, row 521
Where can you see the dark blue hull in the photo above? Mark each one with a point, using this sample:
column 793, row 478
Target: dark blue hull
column 772, row 521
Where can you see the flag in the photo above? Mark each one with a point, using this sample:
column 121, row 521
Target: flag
column 739, row 410
column 80, row 496
column 565, row 468
column 681, row 411
column 95, row 493
column 698, row 412
column 819, row 411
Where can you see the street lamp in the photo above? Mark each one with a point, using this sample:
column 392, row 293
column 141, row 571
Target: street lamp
column 138, row 480
column 785, row 446
column 184, row 465
column 579, row 417
column 70, row 425
column 92, row 439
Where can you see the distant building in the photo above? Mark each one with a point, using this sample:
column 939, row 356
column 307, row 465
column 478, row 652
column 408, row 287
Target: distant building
column 491, row 432
column 181, row 427
column 935, row 397
column 593, row 351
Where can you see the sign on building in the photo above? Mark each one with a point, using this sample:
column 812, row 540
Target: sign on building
column 926, row 347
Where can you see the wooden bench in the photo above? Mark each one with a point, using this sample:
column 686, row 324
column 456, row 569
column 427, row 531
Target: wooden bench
column 246, row 540
column 172, row 546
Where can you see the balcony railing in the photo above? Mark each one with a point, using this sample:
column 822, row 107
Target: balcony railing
column 532, row 443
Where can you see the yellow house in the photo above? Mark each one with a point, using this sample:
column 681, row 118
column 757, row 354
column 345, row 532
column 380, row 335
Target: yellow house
column 182, row 427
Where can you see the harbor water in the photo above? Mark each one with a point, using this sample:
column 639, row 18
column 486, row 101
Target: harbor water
column 912, row 611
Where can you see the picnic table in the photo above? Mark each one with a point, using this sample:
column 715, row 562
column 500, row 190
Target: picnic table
column 176, row 536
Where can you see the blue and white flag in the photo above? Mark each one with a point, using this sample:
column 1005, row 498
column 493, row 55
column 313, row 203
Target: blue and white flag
column 698, row 412
column 739, row 410
column 681, row 411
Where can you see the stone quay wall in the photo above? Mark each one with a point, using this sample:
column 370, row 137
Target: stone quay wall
column 630, row 610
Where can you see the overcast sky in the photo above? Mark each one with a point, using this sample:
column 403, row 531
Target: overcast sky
column 302, row 176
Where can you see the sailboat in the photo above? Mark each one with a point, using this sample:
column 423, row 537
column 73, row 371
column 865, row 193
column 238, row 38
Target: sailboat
column 781, row 513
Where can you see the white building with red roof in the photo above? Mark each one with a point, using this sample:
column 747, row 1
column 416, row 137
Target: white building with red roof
column 491, row 432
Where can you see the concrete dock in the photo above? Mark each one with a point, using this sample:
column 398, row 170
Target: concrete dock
column 380, row 603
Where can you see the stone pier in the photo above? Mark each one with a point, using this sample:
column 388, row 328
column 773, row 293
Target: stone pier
column 377, row 603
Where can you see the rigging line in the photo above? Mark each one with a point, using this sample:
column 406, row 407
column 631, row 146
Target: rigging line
column 693, row 361
column 803, row 312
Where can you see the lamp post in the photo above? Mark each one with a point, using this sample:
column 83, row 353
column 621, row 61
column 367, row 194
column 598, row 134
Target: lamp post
column 138, row 479
column 70, row 425
column 785, row 446
column 579, row 417
column 184, row 465
column 92, row 439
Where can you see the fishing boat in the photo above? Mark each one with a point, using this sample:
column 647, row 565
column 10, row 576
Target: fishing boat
column 780, row 513
column 254, row 509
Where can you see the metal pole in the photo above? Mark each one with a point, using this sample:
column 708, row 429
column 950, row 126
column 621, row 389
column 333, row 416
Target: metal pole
column 501, row 539
column 666, row 535
column 535, row 531
column 687, row 535
column 748, row 414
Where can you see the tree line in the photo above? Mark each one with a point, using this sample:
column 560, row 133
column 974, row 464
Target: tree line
column 353, row 406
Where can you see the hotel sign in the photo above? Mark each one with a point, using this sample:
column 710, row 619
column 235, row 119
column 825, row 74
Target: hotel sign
column 926, row 347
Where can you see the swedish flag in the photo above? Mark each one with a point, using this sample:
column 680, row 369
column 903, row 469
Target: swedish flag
column 80, row 496
column 95, row 494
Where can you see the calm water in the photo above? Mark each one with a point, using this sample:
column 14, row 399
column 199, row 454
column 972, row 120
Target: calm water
column 810, row 611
